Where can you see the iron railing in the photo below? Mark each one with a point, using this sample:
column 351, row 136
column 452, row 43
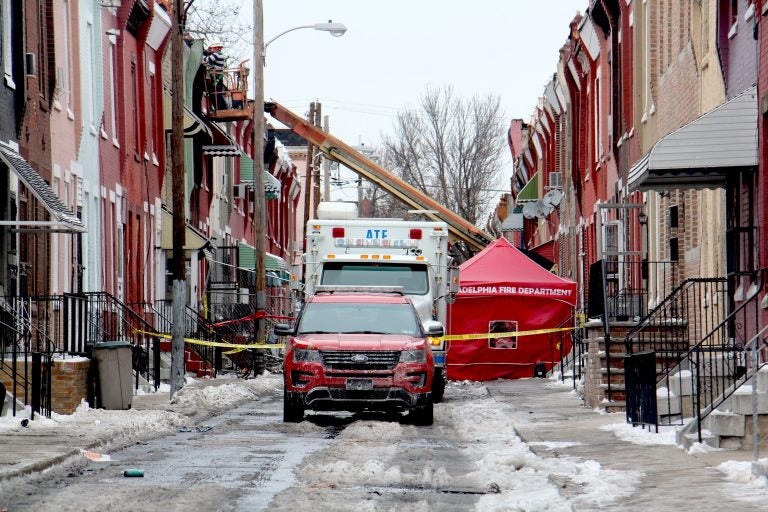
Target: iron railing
column 691, row 311
column 686, row 315
column 109, row 319
column 717, row 365
column 630, row 285
column 26, row 357
column 195, row 327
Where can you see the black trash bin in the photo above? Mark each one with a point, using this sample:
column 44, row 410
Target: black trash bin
column 114, row 362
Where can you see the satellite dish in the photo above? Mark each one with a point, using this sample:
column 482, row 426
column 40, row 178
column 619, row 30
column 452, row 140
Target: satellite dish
column 553, row 197
column 530, row 211
column 543, row 209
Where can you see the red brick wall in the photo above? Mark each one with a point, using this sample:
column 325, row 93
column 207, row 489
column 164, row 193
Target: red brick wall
column 69, row 385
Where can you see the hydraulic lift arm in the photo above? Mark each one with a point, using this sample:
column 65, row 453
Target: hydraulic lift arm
column 460, row 229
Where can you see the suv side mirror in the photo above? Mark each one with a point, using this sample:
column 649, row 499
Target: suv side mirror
column 283, row 330
column 434, row 328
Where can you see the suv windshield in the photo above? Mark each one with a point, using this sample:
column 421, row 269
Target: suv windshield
column 319, row 317
column 413, row 278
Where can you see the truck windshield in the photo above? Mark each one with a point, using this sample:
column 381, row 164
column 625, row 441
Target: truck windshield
column 413, row 278
column 359, row 318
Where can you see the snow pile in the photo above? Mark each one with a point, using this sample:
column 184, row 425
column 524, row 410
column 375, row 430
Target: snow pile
column 371, row 451
column 219, row 394
column 640, row 436
column 525, row 480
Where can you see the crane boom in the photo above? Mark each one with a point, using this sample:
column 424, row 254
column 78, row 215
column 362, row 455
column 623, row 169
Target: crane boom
column 460, row 229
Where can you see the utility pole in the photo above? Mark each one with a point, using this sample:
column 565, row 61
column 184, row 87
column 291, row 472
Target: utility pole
column 316, row 168
column 179, row 299
column 308, row 178
column 326, row 167
column 259, row 207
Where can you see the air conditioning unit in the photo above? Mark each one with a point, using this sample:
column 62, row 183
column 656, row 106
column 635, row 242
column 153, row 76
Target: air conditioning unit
column 238, row 191
column 556, row 180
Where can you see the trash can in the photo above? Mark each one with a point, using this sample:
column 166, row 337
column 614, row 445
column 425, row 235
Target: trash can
column 114, row 363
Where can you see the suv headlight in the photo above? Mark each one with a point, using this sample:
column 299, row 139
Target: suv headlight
column 303, row 355
column 413, row 356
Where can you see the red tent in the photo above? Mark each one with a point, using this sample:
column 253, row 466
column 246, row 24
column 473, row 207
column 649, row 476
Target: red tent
column 503, row 290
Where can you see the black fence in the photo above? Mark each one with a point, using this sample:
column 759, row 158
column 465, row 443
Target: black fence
column 28, row 368
column 640, row 381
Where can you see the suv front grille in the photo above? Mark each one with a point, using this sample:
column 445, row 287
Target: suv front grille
column 360, row 360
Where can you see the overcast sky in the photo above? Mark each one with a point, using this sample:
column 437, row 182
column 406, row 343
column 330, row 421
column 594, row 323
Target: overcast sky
column 394, row 48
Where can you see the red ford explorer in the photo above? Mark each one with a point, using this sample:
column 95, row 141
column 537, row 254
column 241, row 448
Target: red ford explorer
column 358, row 349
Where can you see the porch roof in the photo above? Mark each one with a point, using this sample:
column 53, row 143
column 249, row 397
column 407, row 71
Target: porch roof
column 63, row 219
column 703, row 152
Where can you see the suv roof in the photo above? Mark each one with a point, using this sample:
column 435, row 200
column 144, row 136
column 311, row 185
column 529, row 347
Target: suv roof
column 347, row 289
column 380, row 298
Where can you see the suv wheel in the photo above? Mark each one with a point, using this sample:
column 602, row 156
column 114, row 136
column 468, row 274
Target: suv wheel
column 293, row 411
column 423, row 414
column 438, row 385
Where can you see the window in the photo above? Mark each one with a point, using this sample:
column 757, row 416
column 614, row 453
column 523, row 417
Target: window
column 153, row 108
column 90, row 64
column 64, row 76
column 674, row 249
column 112, row 88
column 673, row 216
column 348, row 317
column 502, row 326
column 135, row 111
column 6, row 50
column 413, row 278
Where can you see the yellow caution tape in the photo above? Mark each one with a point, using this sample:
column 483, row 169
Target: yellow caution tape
column 236, row 346
column 434, row 341
column 496, row 335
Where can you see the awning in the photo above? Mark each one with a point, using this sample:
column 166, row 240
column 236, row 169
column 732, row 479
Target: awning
column 220, row 150
column 192, row 124
column 272, row 185
column 530, row 192
column 546, row 249
column 246, row 260
column 62, row 219
column 194, row 240
column 703, row 152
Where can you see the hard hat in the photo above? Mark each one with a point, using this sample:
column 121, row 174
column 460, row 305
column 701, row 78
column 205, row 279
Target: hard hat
column 216, row 45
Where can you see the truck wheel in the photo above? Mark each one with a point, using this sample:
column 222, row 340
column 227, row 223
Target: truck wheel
column 293, row 412
column 438, row 386
column 423, row 415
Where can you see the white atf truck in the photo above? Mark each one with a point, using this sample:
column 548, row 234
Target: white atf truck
column 343, row 250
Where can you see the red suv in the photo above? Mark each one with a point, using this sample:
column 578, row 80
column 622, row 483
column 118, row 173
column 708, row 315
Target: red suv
column 356, row 349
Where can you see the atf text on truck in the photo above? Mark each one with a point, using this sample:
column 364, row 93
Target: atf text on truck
column 358, row 349
column 349, row 251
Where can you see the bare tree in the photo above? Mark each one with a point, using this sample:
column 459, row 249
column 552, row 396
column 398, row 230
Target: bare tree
column 451, row 150
column 221, row 21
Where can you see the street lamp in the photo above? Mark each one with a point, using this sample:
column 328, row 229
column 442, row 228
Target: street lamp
column 336, row 30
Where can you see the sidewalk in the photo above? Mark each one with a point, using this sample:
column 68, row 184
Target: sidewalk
column 549, row 418
column 45, row 442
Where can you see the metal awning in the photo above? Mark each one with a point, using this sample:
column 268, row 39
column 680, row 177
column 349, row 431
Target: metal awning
column 246, row 260
column 530, row 192
column 703, row 152
column 220, row 150
column 194, row 240
column 272, row 185
column 192, row 123
column 62, row 219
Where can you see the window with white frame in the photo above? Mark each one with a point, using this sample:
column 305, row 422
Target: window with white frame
column 596, row 135
column 7, row 46
column 112, row 88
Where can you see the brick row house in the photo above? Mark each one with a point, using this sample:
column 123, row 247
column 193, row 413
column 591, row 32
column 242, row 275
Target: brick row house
column 85, row 191
column 638, row 176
